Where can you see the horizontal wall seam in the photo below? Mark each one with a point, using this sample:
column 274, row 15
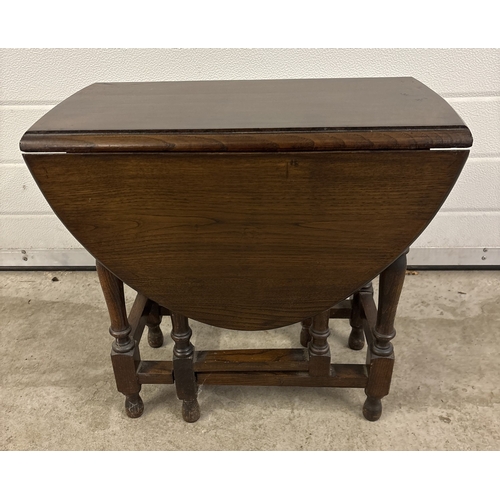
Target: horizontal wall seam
column 487, row 159
column 449, row 97
column 472, row 213
column 28, row 106
column 473, row 98
column 32, row 215
column 460, row 95
column 447, row 212
column 13, row 162
column 24, row 214
column 29, row 103
column 492, row 156
column 418, row 256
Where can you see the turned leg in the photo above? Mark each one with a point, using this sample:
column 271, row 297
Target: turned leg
column 185, row 380
column 305, row 335
column 155, row 335
column 319, row 350
column 381, row 355
column 125, row 355
column 357, row 335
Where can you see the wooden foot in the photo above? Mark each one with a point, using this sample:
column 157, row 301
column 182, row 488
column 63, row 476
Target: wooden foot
column 357, row 336
column 190, row 411
column 305, row 334
column 125, row 356
column 356, row 339
column 155, row 335
column 372, row 409
column 184, row 376
column 134, row 405
column 380, row 356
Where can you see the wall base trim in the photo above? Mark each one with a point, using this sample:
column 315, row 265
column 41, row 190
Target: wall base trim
column 454, row 257
column 417, row 257
column 35, row 258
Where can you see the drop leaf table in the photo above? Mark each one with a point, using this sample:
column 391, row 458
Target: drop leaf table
column 249, row 205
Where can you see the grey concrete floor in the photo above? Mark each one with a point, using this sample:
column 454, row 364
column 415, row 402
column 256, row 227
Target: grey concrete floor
column 58, row 393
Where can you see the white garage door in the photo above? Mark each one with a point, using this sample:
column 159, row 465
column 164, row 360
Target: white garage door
column 466, row 232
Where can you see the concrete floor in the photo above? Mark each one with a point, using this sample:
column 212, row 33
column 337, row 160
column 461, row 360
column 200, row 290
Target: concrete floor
column 58, row 393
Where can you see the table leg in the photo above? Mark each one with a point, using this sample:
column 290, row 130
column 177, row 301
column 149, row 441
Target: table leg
column 305, row 334
column 155, row 335
column 185, row 379
column 381, row 354
column 319, row 350
column 125, row 355
column 357, row 335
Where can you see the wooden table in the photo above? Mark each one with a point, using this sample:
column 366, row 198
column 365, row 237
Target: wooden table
column 249, row 205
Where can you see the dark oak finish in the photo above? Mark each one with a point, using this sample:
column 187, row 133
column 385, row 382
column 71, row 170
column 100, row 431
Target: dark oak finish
column 319, row 350
column 155, row 372
column 269, row 106
column 112, row 288
column 227, row 239
column 305, row 334
column 408, row 139
column 252, row 360
column 381, row 354
column 155, row 335
column 250, row 205
column 357, row 337
column 185, row 379
column 125, row 355
column 345, row 376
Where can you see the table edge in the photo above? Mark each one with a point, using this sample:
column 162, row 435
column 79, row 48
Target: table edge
column 247, row 141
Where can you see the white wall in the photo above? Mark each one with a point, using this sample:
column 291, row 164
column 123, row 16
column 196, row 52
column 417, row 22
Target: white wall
column 34, row 80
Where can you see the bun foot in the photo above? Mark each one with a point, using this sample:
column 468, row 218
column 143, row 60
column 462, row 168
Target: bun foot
column 134, row 406
column 155, row 337
column 190, row 411
column 372, row 409
column 305, row 334
column 305, row 338
column 356, row 339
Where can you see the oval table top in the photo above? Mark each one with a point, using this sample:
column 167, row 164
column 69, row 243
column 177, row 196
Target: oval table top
column 252, row 115
column 248, row 204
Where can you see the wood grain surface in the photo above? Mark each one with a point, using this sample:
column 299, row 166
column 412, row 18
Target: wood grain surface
column 247, row 241
column 359, row 139
column 264, row 115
